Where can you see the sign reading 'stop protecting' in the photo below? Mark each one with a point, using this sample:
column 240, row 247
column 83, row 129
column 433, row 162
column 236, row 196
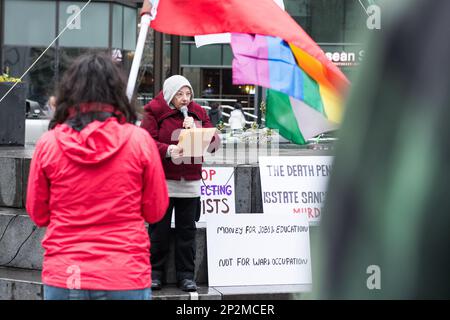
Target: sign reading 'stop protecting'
column 258, row 249
column 295, row 185
column 217, row 191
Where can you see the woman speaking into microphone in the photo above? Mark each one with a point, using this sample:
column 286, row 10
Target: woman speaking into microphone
column 170, row 111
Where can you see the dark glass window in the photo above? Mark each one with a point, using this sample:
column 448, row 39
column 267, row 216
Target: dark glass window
column 211, row 83
column 25, row 39
column 330, row 21
column 166, row 56
column 146, row 77
column 39, row 82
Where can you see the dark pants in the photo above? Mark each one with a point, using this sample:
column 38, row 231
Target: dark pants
column 187, row 211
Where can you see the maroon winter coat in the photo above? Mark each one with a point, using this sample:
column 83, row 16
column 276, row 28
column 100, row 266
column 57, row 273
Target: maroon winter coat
column 160, row 121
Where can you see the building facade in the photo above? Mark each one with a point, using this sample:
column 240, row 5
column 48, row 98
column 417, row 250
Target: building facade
column 28, row 27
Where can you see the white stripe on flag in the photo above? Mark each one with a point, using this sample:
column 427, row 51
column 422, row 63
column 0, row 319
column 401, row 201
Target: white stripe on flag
column 206, row 39
column 310, row 121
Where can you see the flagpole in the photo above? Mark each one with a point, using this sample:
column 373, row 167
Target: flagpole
column 148, row 13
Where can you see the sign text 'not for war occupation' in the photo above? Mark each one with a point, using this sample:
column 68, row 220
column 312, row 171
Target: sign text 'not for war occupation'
column 258, row 249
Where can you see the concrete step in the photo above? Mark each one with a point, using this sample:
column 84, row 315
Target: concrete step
column 268, row 292
column 23, row 284
column 20, row 284
column 171, row 292
column 20, row 240
column 14, row 169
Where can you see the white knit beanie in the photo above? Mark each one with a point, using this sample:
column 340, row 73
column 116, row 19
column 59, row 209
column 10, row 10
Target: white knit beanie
column 173, row 84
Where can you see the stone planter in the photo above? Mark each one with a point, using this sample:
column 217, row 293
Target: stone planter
column 12, row 115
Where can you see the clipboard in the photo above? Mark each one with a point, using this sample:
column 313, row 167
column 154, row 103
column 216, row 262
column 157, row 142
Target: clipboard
column 195, row 141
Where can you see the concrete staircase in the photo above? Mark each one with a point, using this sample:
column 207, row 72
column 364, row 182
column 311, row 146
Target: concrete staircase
column 21, row 264
column 21, row 252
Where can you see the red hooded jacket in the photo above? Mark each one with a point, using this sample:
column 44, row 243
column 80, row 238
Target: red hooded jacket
column 94, row 190
column 161, row 121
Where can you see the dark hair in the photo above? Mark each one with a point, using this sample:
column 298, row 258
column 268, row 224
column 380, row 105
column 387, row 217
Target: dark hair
column 92, row 78
column 237, row 106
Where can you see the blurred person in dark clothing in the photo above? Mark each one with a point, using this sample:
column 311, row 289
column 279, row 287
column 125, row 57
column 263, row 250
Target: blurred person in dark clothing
column 215, row 114
column 385, row 228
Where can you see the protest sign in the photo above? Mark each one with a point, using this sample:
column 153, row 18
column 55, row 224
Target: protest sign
column 217, row 191
column 295, row 184
column 258, row 249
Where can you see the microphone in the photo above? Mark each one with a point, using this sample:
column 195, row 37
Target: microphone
column 184, row 111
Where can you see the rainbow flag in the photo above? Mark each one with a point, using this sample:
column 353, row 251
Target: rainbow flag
column 309, row 89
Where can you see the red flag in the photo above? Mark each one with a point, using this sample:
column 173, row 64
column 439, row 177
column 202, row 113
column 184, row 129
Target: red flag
column 197, row 17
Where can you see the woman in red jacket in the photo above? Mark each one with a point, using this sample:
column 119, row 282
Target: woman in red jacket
column 95, row 178
column 164, row 120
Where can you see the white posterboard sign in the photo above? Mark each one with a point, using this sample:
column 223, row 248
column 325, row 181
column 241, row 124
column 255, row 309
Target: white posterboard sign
column 295, row 184
column 217, row 192
column 258, row 249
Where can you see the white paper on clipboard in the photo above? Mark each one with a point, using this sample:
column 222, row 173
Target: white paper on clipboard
column 195, row 141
